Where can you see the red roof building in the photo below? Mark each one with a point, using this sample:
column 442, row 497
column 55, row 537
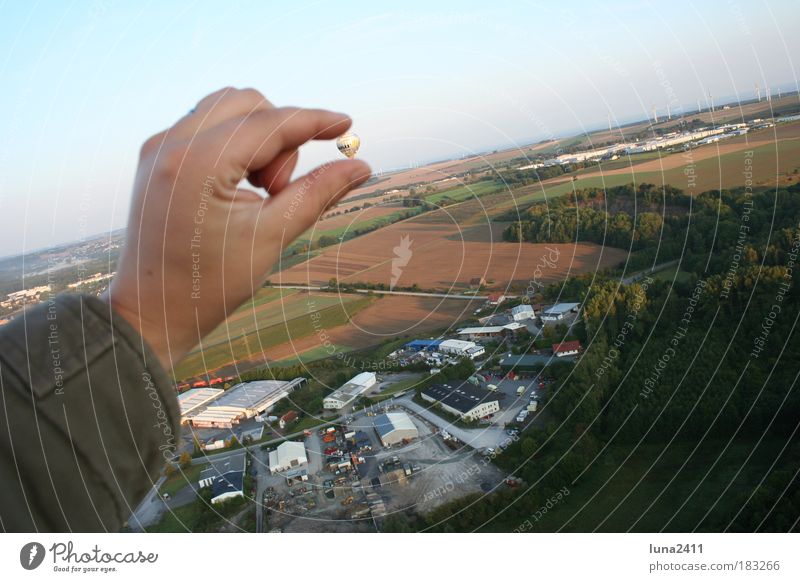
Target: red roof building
column 496, row 298
column 566, row 348
column 287, row 418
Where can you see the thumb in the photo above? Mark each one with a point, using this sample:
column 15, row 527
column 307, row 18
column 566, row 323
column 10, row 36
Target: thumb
column 302, row 202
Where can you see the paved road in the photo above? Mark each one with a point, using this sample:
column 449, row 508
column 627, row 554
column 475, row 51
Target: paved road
column 478, row 438
column 149, row 510
column 256, row 446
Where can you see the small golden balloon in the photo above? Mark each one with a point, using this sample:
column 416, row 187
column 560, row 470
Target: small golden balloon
column 348, row 144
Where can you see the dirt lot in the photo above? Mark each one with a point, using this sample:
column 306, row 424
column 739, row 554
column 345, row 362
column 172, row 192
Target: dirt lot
column 329, row 502
column 444, row 475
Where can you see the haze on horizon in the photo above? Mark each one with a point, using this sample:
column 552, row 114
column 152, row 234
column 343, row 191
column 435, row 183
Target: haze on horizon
column 86, row 83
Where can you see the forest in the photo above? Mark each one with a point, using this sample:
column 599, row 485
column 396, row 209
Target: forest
column 682, row 413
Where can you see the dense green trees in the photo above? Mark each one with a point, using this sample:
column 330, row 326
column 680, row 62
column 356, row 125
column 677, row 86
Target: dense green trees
column 673, row 378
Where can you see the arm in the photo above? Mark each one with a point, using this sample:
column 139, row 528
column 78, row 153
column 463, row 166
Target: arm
column 84, row 435
column 87, row 418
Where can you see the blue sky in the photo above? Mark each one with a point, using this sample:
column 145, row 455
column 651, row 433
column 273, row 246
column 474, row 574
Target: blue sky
column 84, row 83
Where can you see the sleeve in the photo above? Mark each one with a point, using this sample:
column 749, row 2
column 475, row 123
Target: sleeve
column 87, row 418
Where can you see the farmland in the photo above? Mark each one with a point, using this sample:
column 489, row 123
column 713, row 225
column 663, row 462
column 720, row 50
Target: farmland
column 270, row 324
column 452, row 247
column 293, row 326
column 440, row 259
column 336, row 226
column 387, row 317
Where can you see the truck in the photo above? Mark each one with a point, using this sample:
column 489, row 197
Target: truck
column 533, row 406
column 491, row 388
column 520, row 390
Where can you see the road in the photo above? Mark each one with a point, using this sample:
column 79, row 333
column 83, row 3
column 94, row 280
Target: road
column 149, row 510
column 642, row 274
column 256, row 446
column 478, row 438
column 385, row 292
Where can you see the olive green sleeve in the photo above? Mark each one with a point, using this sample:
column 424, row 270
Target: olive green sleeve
column 87, row 418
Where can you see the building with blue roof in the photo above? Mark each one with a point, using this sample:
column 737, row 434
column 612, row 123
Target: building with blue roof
column 424, row 345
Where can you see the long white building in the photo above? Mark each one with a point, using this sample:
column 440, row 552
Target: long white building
column 242, row 401
column 193, row 399
column 464, row 400
column 349, row 391
column 558, row 311
column 461, row 348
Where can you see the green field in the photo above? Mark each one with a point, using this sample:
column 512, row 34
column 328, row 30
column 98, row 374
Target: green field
column 397, row 387
column 724, row 171
column 265, row 295
column 465, row 192
column 668, row 275
column 268, row 313
column 375, row 221
column 335, row 310
column 624, row 161
column 317, row 353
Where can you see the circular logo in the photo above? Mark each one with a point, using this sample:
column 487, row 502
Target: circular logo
column 31, row 555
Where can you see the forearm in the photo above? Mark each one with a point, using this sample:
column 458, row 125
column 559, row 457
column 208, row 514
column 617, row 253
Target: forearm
column 87, row 418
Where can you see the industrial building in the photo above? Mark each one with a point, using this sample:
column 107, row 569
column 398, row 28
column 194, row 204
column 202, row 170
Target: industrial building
column 242, row 401
column 558, row 311
column 289, row 459
column 522, row 312
column 354, row 388
column 193, row 399
column 423, row 345
column 466, row 401
column 461, row 348
column 394, row 428
column 527, row 362
column 490, row 331
column 225, row 477
column 566, row 349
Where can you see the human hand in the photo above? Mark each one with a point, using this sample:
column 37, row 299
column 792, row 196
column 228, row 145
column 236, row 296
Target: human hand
column 197, row 246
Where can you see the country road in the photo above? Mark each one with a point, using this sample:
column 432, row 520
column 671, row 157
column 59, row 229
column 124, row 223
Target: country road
column 385, row 292
column 641, row 274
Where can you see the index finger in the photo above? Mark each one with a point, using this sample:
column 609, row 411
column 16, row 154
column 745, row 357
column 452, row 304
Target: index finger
column 252, row 142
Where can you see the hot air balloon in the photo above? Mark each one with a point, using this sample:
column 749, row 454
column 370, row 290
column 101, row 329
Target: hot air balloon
column 348, row 144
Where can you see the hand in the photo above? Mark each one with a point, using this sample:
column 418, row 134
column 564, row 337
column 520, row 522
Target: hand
column 197, row 246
